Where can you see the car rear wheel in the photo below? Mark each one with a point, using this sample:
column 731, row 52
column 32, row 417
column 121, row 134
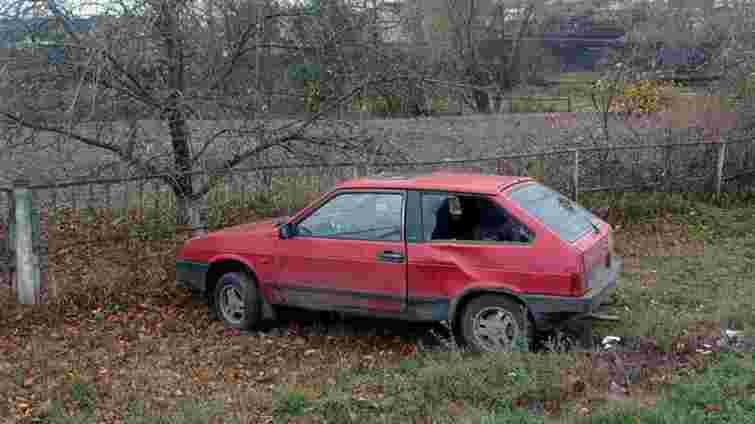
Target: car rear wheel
column 236, row 301
column 494, row 323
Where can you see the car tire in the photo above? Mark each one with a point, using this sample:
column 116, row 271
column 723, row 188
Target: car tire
column 495, row 323
column 236, row 301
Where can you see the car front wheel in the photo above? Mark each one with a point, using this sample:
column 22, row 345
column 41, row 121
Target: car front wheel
column 493, row 323
column 236, row 301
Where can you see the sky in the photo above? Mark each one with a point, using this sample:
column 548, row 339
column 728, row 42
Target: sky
column 76, row 7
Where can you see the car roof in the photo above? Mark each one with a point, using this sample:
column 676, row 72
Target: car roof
column 440, row 181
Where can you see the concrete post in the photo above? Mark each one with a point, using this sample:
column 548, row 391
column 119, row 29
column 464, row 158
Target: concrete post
column 720, row 167
column 575, row 175
column 198, row 217
column 27, row 284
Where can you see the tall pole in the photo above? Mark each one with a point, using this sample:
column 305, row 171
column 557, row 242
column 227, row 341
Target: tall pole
column 268, row 79
column 257, row 66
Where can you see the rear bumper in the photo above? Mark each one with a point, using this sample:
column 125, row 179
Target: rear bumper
column 541, row 306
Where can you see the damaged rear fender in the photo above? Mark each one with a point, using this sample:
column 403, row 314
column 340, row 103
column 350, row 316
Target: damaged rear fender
column 468, row 293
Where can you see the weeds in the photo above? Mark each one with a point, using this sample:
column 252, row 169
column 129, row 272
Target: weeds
column 722, row 394
column 425, row 388
column 84, row 395
column 292, row 403
column 187, row 411
column 659, row 297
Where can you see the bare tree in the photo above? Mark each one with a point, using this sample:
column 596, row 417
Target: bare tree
column 134, row 85
column 485, row 44
column 708, row 48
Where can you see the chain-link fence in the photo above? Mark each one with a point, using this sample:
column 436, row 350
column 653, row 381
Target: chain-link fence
column 701, row 166
column 136, row 218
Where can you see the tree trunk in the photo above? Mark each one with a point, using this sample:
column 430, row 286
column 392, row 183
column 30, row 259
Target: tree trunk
column 188, row 212
column 482, row 101
column 173, row 112
column 183, row 185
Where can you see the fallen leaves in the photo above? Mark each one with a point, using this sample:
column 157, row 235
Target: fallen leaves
column 231, row 375
column 23, row 408
column 200, row 375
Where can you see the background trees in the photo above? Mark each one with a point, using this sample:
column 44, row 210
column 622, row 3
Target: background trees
column 140, row 84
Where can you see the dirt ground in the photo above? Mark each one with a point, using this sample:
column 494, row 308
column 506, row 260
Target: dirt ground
column 142, row 339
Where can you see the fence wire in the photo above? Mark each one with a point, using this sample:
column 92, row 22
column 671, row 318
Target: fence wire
column 674, row 167
column 106, row 216
column 686, row 167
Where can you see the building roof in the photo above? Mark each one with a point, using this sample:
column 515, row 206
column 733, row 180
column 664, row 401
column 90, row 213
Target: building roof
column 445, row 181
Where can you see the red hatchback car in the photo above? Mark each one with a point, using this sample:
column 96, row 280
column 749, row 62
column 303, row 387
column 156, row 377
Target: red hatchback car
column 496, row 257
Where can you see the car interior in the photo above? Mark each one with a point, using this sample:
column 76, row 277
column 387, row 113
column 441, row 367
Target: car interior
column 470, row 218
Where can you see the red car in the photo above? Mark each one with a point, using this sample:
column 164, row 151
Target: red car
column 497, row 257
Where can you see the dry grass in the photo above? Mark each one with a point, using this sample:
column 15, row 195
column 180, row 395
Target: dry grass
column 119, row 335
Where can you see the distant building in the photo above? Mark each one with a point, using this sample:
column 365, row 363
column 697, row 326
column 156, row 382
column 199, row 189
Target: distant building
column 580, row 44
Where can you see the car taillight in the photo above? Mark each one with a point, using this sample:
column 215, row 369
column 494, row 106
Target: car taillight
column 577, row 284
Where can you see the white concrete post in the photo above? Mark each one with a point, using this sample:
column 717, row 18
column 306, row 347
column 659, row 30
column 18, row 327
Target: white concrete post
column 575, row 176
column 27, row 283
column 720, row 167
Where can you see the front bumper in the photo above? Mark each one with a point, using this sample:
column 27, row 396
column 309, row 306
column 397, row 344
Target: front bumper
column 603, row 284
column 191, row 275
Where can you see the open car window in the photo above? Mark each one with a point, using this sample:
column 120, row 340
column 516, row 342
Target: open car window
column 357, row 216
column 563, row 216
column 477, row 220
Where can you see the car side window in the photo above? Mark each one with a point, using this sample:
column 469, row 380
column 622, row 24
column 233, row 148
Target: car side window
column 480, row 220
column 357, row 216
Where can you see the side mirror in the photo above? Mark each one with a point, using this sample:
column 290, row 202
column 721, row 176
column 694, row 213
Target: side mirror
column 285, row 231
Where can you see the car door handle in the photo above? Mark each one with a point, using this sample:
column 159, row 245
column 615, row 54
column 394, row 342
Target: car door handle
column 390, row 256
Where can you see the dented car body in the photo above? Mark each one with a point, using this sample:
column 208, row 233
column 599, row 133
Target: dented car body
column 497, row 257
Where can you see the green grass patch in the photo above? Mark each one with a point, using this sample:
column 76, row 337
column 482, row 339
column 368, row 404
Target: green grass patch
column 724, row 393
column 291, row 403
column 686, row 208
column 662, row 296
column 538, row 104
column 437, row 385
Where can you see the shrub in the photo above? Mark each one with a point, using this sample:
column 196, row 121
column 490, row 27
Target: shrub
column 644, row 97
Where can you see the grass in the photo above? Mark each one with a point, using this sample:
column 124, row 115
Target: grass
column 151, row 215
column 539, row 104
column 689, row 264
column 724, row 393
column 668, row 299
column 187, row 411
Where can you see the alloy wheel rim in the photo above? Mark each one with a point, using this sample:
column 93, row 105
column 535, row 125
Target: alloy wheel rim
column 232, row 305
column 495, row 329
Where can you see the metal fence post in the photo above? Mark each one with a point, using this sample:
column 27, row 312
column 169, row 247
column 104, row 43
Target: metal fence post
column 575, row 176
column 26, row 264
column 720, row 167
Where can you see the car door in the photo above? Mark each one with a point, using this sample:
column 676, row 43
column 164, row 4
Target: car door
column 349, row 253
column 444, row 262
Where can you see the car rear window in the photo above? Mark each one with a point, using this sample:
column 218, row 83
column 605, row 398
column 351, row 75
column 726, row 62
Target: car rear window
column 566, row 218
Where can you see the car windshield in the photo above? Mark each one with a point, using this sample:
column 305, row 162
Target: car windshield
column 566, row 218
